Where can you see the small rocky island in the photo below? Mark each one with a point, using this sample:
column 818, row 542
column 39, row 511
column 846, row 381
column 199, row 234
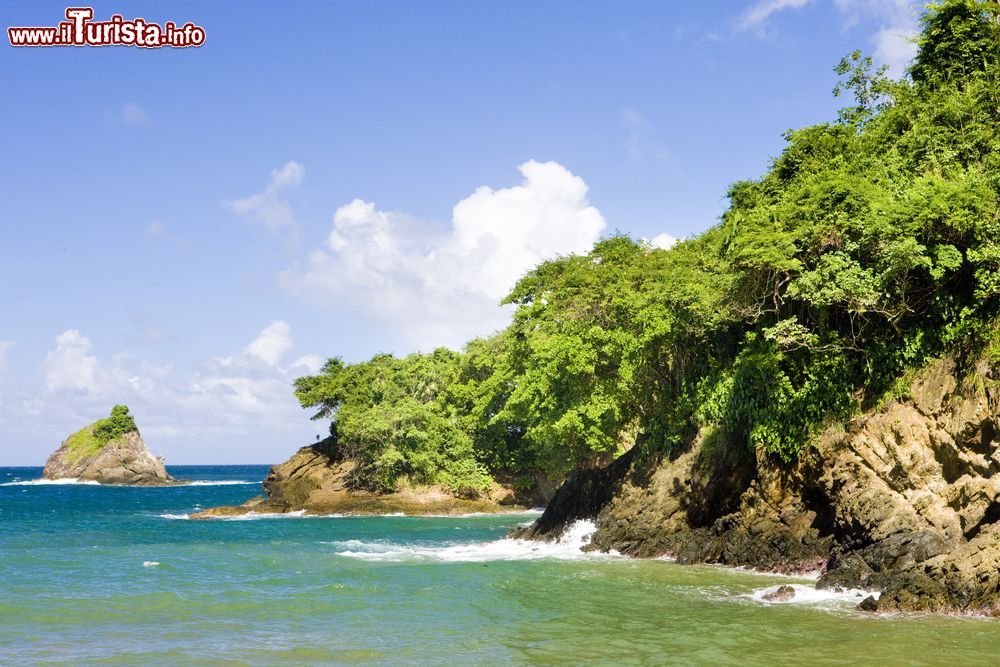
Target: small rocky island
column 317, row 480
column 109, row 451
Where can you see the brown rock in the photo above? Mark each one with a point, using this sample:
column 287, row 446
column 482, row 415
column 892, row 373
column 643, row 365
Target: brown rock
column 781, row 594
column 123, row 461
column 317, row 481
column 868, row 604
column 905, row 498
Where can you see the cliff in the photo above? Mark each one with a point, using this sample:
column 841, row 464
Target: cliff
column 317, row 481
column 108, row 456
column 904, row 500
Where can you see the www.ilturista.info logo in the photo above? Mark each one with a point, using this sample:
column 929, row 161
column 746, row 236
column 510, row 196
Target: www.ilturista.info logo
column 80, row 30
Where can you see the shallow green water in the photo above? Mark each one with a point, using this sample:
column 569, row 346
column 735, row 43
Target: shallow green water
column 78, row 585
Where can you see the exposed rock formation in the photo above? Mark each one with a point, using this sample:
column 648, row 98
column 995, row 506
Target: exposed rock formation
column 109, row 451
column 124, row 460
column 905, row 500
column 782, row 594
column 317, row 481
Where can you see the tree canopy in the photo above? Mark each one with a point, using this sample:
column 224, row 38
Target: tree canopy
column 871, row 244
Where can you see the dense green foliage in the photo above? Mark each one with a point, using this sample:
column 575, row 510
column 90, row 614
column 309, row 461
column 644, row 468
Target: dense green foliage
column 389, row 416
column 118, row 424
column 89, row 440
column 871, row 244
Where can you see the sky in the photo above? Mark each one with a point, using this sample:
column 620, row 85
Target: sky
column 186, row 231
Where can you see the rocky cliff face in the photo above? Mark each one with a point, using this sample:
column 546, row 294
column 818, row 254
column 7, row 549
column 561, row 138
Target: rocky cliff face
column 904, row 500
column 315, row 480
column 123, row 461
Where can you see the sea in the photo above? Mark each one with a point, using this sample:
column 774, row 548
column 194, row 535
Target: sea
column 94, row 575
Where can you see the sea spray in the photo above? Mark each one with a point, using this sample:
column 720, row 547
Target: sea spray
column 67, row 481
column 804, row 594
column 569, row 546
column 64, row 481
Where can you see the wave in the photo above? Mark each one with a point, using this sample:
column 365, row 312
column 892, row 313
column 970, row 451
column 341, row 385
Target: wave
column 51, row 482
column 568, row 547
column 220, row 482
column 811, row 595
column 302, row 514
column 89, row 482
column 472, row 515
column 252, row 516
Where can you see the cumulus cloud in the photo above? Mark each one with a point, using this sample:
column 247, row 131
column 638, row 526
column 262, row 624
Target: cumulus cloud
column 895, row 48
column 70, row 366
column 272, row 343
column 663, row 241
column 227, row 398
column 444, row 288
column 268, row 208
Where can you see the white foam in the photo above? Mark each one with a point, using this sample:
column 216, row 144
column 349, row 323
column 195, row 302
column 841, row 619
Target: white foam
column 254, row 516
column 811, row 595
column 568, row 547
column 473, row 515
column 812, row 575
column 150, row 563
column 51, row 482
column 221, row 482
column 90, row 482
column 302, row 514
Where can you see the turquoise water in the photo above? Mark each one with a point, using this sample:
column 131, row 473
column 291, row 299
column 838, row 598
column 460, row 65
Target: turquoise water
column 99, row 575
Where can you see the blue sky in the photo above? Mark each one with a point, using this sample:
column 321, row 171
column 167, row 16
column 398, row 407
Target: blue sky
column 186, row 231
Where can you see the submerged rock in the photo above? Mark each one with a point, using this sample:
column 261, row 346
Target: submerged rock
column 781, row 594
column 120, row 459
column 869, row 604
column 905, row 500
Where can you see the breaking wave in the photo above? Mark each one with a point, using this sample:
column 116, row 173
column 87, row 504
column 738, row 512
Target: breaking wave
column 568, row 547
column 51, row 482
column 810, row 595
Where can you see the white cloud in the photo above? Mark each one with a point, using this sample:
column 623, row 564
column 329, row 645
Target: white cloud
column 664, row 241
column 893, row 41
column 895, row 48
column 5, row 346
column 133, row 114
column 272, row 343
column 154, row 229
column 243, row 402
column 309, row 364
column 757, row 14
column 268, row 208
column 70, row 366
column 897, row 21
column 442, row 289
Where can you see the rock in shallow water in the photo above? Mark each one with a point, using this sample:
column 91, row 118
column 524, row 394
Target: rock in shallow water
column 904, row 499
column 318, row 482
column 869, row 604
column 124, row 460
column 781, row 594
